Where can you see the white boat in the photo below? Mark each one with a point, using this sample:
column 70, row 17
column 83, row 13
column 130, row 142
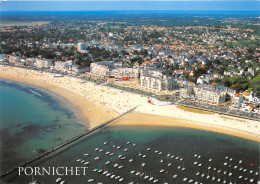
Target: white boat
column 125, row 149
column 134, row 144
column 155, row 181
column 162, row 170
column 144, row 156
column 120, row 167
column 151, row 178
column 105, row 172
column 119, row 156
column 116, row 165
column 86, row 163
column 105, row 143
column 90, row 180
column 146, row 176
column 62, row 182
column 96, row 149
column 118, row 147
column 108, row 162
column 128, row 143
column 148, row 149
column 169, row 164
column 132, row 172
column 175, row 176
column 185, row 179
column 112, row 176
column 138, row 173
column 86, row 154
column 96, row 158
column 107, row 152
column 131, row 160
column 143, row 164
column 117, row 177
column 58, row 180
column 111, row 154
column 121, row 179
column 100, row 170
column 78, row 160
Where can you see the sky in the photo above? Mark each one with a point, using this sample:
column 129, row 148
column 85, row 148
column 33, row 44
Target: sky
column 90, row 5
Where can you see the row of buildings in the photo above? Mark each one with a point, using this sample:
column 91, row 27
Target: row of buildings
column 68, row 66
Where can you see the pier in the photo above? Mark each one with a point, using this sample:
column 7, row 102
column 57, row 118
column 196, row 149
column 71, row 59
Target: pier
column 67, row 142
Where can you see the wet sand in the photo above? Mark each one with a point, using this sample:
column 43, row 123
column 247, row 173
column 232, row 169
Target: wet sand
column 98, row 103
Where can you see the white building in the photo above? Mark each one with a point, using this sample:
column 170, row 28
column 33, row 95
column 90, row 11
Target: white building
column 203, row 94
column 236, row 101
column 14, row 59
column 43, row 63
column 158, row 83
column 82, row 47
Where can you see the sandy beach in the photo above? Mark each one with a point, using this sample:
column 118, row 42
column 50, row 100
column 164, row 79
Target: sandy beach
column 99, row 103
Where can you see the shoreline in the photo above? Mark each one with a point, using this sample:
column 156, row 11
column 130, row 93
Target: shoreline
column 143, row 119
column 100, row 103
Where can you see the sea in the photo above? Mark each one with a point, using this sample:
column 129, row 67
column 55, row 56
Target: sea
column 33, row 118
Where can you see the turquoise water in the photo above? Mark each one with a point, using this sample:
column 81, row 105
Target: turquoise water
column 31, row 119
column 25, row 134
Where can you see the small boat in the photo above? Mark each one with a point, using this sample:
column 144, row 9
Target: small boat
column 144, row 156
column 100, row 170
column 134, row 144
column 86, row 163
column 117, row 177
column 143, row 164
column 107, row 152
column 141, row 175
column 120, row 167
column 148, row 149
column 159, row 153
column 190, row 181
column 116, row 165
column 96, row 149
column 138, row 173
column 105, row 172
column 200, row 165
column 146, row 176
column 195, row 163
column 90, row 180
column 86, row 154
column 118, row 147
column 119, row 156
column 121, row 179
column 111, row 154
column 78, row 160
column 175, row 176
column 156, row 151
column 128, row 142
column 112, row 176
column 131, row 160
column 132, row 172
column 151, row 178
column 96, row 169
column 105, row 143
column 108, row 162
column 96, row 158
column 210, row 159
column 162, row 170
column 172, row 156
column 62, row 182
column 125, row 150
column 185, row 179
column 58, row 180
column 114, row 146
column 155, row 181
column 169, row 164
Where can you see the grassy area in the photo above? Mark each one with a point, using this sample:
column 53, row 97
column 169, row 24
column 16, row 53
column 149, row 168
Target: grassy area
column 224, row 117
column 166, row 98
column 194, row 110
column 23, row 23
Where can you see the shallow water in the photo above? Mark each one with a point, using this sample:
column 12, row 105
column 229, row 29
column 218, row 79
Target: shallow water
column 31, row 119
column 28, row 114
column 178, row 142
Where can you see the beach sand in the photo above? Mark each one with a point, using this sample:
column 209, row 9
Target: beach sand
column 99, row 103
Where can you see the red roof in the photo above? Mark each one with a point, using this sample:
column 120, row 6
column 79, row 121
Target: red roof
column 250, row 105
